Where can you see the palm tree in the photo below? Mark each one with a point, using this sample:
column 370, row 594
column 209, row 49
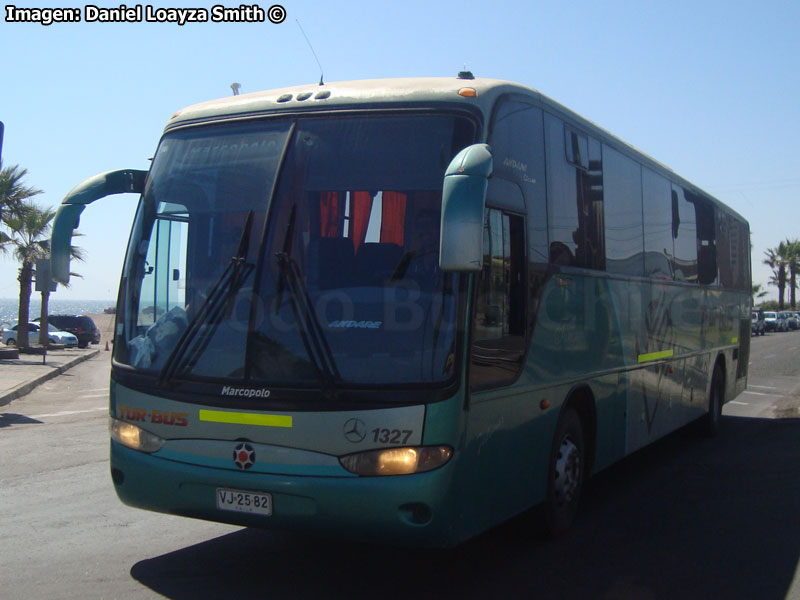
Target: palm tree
column 13, row 197
column 776, row 260
column 29, row 227
column 757, row 292
column 793, row 264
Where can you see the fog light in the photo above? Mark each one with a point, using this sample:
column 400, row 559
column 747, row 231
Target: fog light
column 397, row 461
column 134, row 437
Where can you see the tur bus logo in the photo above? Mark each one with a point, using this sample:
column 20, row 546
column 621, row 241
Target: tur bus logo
column 244, row 456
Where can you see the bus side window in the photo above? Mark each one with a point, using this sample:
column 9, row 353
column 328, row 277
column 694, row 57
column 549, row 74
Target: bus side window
column 707, row 270
column 684, row 233
column 732, row 252
column 658, row 225
column 499, row 324
column 622, row 200
column 517, row 141
column 575, row 196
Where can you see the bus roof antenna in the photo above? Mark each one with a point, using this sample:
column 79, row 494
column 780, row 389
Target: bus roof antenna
column 321, row 82
column 236, row 87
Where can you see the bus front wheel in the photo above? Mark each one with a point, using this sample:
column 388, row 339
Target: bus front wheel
column 566, row 474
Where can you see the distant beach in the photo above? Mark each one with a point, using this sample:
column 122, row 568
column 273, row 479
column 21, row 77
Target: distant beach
column 9, row 307
column 105, row 323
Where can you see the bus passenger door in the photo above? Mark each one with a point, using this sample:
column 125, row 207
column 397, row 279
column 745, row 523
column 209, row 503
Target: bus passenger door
column 163, row 285
column 497, row 475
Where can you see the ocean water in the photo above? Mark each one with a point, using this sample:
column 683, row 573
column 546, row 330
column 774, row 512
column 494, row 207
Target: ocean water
column 9, row 307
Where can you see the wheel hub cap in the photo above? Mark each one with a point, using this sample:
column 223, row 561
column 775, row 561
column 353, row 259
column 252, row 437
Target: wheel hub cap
column 567, row 478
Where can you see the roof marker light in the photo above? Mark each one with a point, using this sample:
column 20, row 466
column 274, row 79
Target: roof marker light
column 467, row 92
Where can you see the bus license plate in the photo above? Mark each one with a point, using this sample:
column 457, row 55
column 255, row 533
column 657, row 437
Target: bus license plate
column 244, row 501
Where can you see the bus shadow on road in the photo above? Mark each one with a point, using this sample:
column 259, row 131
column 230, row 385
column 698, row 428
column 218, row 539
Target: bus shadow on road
column 686, row 517
column 9, row 419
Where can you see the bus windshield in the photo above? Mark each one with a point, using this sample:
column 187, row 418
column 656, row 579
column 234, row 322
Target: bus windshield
column 294, row 252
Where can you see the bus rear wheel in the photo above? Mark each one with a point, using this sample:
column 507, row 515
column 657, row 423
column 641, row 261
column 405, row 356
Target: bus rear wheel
column 566, row 474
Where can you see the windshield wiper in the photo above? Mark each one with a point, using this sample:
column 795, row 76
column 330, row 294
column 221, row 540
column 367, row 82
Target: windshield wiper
column 311, row 332
column 218, row 304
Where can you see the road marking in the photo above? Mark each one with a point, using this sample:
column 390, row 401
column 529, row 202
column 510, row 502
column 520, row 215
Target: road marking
column 102, row 389
column 65, row 413
column 763, row 387
column 761, row 394
column 739, row 403
column 770, row 356
column 96, row 395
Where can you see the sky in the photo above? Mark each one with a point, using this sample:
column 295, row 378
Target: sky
column 710, row 88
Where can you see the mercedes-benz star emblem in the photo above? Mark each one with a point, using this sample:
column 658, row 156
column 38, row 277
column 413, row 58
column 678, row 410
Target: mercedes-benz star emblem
column 244, row 456
column 355, row 430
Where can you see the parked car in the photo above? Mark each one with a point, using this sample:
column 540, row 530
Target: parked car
column 791, row 320
column 758, row 327
column 771, row 321
column 80, row 326
column 55, row 335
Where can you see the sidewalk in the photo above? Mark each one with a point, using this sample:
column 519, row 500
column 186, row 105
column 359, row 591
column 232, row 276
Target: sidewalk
column 18, row 376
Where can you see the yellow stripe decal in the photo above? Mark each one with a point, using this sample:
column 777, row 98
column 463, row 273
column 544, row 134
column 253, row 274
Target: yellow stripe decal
column 237, row 418
column 735, row 340
column 656, row 355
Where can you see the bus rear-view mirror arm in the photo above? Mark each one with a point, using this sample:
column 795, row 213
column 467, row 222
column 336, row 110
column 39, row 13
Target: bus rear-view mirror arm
column 69, row 213
column 463, row 205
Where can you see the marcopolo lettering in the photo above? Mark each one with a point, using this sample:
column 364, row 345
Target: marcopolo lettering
column 357, row 324
column 245, row 392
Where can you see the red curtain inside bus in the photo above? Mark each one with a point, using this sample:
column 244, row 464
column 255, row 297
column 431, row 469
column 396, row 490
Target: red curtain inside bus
column 329, row 214
column 360, row 210
column 393, row 218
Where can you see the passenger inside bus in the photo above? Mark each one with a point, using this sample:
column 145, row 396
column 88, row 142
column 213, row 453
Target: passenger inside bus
column 421, row 263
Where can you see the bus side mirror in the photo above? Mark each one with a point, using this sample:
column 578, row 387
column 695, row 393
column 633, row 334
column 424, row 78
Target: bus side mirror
column 69, row 213
column 463, row 205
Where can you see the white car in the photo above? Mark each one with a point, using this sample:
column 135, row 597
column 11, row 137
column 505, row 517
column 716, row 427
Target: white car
column 55, row 335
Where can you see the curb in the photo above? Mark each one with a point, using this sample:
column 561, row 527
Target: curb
column 27, row 387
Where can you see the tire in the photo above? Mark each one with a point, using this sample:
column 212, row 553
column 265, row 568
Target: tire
column 11, row 342
column 716, row 398
column 83, row 344
column 566, row 474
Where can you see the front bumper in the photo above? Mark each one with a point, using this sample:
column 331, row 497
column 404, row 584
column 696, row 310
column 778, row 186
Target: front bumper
column 413, row 510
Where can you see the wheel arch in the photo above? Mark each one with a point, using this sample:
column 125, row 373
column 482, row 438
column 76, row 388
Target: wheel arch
column 581, row 399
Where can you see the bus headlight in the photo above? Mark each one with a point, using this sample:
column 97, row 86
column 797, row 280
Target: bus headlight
column 397, row 461
column 134, row 437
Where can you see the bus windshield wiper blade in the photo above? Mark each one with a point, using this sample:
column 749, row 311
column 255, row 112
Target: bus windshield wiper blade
column 217, row 304
column 314, row 340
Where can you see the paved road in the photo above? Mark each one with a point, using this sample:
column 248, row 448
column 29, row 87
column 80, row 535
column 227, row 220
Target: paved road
column 685, row 518
column 64, row 533
column 773, row 387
